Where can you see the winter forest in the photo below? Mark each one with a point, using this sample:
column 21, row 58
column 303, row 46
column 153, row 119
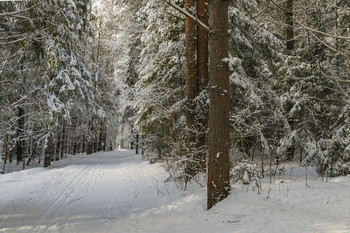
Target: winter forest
column 174, row 116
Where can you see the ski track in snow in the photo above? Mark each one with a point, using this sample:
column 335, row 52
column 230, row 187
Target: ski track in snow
column 63, row 200
column 84, row 195
column 118, row 192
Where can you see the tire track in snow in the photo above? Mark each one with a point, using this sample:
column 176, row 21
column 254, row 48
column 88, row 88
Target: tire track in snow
column 60, row 202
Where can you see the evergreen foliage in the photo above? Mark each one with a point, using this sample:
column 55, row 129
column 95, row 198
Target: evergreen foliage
column 75, row 75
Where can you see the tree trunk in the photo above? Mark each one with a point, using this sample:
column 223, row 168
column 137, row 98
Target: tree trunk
column 90, row 140
column 5, row 147
column 203, row 78
column 55, row 154
column 202, row 44
column 191, row 89
column 11, row 151
column 100, row 140
column 137, row 143
column 290, row 25
column 191, row 73
column 62, row 144
column 219, row 161
column 104, row 147
column 290, row 48
column 337, row 57
column 83, row 144
column 96, row 139
column 20, row 128
column 47, row 151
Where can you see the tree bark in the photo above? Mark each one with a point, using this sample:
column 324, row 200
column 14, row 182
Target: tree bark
column 218, row 186
column 202, row 43
column 203, row 78
column 191, row 88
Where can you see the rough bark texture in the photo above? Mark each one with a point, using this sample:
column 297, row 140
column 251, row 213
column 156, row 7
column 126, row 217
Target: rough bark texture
column 191, row 85
column 203, row 77
column 202, row 53
column 290, row 24
column 218, row 165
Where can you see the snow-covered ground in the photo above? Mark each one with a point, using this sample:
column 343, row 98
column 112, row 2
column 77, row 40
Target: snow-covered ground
column 118, row 192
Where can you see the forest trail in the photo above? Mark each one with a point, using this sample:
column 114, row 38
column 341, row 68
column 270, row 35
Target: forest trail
column 118, row 192
column 82, row 196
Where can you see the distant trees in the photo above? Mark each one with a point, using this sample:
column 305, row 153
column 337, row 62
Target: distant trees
column 51, row 86
column 151, row 82
column 309, row 81
column 74, row 74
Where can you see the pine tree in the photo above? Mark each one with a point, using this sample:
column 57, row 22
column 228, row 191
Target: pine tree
column 219, row 146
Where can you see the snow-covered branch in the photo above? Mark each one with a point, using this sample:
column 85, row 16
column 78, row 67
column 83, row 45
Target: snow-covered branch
column 18, row 12
column 182, row 11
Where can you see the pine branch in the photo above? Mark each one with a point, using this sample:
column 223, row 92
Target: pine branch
column 182, row 11
column 18, row 12
column 303, row 26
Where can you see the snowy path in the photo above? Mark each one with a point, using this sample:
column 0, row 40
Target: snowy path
column 118, row 192
column 86, row 196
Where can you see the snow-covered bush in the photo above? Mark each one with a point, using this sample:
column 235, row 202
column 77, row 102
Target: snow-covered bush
column 246, row 173
column 330, row 156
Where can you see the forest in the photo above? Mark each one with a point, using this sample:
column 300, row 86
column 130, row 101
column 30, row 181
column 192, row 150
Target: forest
column 216, row 92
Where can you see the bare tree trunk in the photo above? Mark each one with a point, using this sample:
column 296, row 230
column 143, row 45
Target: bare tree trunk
column 104, row 147
column 47, row 150
column 290, row 47
column 97, row 139
column 55, row 154
column 290, row 25
column 337, row 57
column 11, row 151
column 137, row 143
column 83, row 144
column 62, row 144
column 203, row 78
column 68, row 141
column 202, row 44
column 20, row 128
column 219, row 161
column 100, row 140
column 90, row 140
column 5, row 147
column 191, row 88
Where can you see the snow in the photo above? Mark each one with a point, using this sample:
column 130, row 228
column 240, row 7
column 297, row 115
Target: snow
column 118, row 192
